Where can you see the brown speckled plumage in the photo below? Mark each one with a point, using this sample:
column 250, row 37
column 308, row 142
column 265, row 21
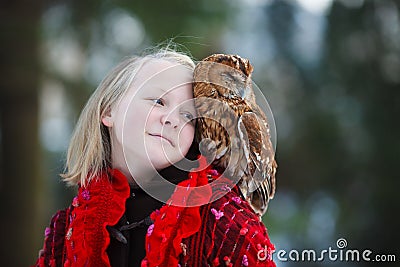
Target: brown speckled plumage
column 232, row 130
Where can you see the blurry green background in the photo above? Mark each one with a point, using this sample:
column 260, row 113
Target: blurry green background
column 329, row 69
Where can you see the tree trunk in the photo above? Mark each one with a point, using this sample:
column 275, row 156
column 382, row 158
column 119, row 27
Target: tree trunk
column 20, row 181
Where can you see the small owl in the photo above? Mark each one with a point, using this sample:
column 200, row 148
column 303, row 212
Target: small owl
column 232, row 130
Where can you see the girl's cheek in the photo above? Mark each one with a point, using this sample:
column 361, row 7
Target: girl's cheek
column 190, row 134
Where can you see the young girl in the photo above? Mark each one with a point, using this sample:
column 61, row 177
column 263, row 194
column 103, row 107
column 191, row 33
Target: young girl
column 138, row 124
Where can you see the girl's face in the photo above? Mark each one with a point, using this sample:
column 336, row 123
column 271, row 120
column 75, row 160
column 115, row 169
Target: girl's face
column 152, row 126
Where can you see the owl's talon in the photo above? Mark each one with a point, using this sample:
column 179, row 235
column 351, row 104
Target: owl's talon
column 208, row 148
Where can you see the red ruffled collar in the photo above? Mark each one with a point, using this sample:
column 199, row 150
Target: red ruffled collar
column 172, row 223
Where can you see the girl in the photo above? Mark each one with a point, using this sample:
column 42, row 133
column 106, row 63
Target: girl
column 141, row 111
column 137, row 124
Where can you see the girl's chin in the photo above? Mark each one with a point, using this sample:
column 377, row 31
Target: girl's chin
column 163, row 163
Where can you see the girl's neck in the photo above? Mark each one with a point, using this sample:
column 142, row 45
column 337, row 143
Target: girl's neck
column 138, row 173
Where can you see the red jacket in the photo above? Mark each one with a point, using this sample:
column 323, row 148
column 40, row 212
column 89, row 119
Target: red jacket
column 77, row 236
column 225, row 232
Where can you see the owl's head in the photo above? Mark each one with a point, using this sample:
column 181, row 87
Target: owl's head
column 230, row 75
column 236, row 62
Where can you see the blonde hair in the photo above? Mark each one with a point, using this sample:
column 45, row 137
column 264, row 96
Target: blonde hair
column 89, row 151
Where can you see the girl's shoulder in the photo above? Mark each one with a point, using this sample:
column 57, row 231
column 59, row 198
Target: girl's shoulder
column 232, row 234
column 53, row 250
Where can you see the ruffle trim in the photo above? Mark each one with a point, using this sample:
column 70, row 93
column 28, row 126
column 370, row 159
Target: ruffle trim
column 100, row 204
column 175, row 221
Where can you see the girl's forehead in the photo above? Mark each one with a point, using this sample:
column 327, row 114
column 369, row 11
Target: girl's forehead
column 156, row 69
column 162, row 74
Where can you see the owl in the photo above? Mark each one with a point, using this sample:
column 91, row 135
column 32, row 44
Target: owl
column 232, row 130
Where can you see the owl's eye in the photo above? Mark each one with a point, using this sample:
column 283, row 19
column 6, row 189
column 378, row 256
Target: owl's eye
column 228, row 76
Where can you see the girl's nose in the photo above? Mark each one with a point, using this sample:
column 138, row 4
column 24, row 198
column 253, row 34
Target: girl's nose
column 170, row 119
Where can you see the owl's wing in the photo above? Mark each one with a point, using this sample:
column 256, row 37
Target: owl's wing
column 255, row 138
column 250, row 132
column 267, row 151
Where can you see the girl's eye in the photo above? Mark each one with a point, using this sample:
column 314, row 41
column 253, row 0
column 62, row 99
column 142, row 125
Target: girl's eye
column 158, row 101
column 188, row 116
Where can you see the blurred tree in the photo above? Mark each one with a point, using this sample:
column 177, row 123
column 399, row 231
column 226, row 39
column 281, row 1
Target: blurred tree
column 344, row 140
column 363, row 59
column 20, row 183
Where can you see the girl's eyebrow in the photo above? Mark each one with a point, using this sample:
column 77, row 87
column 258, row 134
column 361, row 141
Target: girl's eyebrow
column 163, row 89
column 153, row 89
column 160, row 88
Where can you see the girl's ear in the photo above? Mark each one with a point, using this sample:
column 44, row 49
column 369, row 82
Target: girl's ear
column 106, row 119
